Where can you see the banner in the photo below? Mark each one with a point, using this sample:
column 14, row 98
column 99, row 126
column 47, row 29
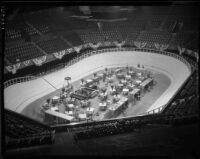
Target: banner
column 94, row 46
column 100, row 26
column 197, row 56
column 39, row 61
column 137, row 44
column 70, row 50
column 163, row 47
column 157, row 46
column 107, row 43
column 85, row 45
column 26, row 63
column 59, row 55
column 189, row 52
column 143, row 44
column 181, row 50
column 119, row 44
column 78, row 48
column 13, row 68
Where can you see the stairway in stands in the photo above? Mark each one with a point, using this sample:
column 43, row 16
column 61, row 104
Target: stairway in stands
column 31, row 26
column 67, row 42
column 39, row 48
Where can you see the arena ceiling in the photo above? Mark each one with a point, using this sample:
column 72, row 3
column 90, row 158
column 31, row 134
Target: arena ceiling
column 100, row 12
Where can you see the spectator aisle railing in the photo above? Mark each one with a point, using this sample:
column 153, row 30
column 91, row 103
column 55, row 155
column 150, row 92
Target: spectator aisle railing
column 61, row 127
column 38, row 139
column 161, row 108
column 18, row 80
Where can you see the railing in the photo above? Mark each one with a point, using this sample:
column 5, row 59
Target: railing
column 107, row 50
column 90, row 53
column 156, row 110
column 18, row 80
column 160, row 109
column 63, row 127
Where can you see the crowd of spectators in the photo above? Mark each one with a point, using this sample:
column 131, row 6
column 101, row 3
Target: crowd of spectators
column 187, row 100
column 116, row 126
column 133, row 124
column 119, row 126
column 21, row 131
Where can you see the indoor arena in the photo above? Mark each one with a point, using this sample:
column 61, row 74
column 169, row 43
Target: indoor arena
column 101, row 80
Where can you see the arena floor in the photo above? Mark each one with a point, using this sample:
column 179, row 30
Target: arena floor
column 26, row 97
column 33, row 110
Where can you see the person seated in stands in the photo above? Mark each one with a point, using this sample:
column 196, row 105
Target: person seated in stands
column 182, row 100
column 21, row 126
column 174, row 103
